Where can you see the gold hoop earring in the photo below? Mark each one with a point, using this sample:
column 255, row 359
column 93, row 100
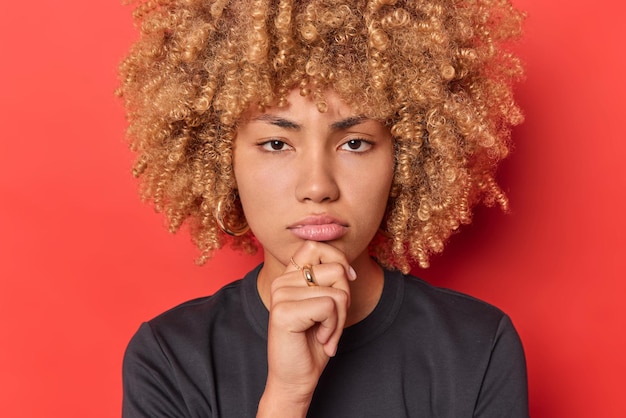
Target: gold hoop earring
column 219, row 218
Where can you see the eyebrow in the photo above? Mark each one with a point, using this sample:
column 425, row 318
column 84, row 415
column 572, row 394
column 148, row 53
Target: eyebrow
column 280, row 122
column 348, row 123
column 342, row 124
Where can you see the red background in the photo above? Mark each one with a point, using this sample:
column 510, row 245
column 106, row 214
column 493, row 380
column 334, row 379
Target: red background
column 83, row 261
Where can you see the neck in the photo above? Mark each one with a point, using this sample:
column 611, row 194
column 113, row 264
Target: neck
column 366, row 290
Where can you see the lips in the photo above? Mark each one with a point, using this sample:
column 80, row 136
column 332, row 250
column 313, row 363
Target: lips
column 319, row 228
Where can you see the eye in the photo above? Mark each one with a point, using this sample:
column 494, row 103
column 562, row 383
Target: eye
column 356, row 145
column 274, row 145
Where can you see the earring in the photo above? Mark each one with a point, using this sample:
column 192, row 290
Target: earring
column 220, row 222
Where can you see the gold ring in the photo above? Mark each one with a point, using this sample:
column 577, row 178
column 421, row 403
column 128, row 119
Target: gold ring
column 294, row 264
column 307, row 273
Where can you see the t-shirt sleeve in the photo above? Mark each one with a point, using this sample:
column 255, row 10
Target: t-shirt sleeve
column 504, row 391
column 150, row 387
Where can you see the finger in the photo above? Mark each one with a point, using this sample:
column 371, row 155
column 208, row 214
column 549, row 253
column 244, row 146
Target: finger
column 296, row 311
column 294, row 295
column 314, row 253
column 299, row 316
column 329, row 333
column 325, row 275
column 294, row 285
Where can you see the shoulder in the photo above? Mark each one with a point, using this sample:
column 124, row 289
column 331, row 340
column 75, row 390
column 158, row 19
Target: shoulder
column 474, row 339
column 201, row 322
column 188, row 321
column 167, row 361
column 448, row 300
column 199, row 309
column 450, row 314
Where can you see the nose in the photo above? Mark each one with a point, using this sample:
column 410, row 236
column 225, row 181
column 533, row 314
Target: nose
column 316, row 178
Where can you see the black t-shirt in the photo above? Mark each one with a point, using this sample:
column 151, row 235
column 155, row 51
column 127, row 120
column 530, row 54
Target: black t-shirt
column 422, row 352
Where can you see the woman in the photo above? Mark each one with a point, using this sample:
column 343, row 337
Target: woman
column 347, row 140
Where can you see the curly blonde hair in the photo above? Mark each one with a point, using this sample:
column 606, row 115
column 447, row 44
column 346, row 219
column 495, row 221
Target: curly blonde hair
column 436, row 72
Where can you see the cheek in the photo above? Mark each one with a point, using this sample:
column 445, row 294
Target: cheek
column 262, row 193
column 379, row 196
column 378, row 178
column 247, row 175
column 382, row 189
column 370, row 192
column 244, row 179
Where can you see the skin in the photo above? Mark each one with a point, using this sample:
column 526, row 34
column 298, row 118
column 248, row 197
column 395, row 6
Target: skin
column 313, row 186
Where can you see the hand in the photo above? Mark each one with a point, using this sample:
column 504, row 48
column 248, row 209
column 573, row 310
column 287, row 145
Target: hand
column 305, row 324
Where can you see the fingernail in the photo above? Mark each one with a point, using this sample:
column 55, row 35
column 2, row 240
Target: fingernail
column 352, row 273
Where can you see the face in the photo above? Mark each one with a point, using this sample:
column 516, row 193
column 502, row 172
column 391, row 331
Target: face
column 306, row 175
